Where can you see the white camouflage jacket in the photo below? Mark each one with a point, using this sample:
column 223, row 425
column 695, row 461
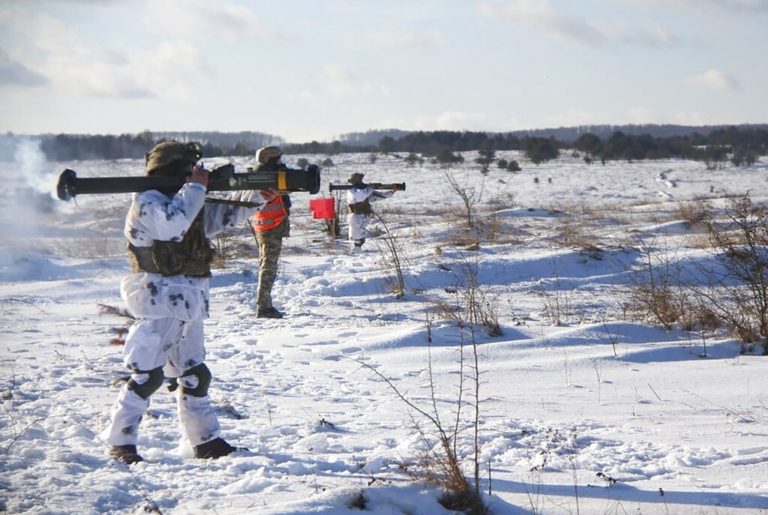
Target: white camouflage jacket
column 155, row 216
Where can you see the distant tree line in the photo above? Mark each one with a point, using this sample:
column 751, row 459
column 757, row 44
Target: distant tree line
column 741, row 145
column 68, row 147
column 564, row 134
column 73, row 147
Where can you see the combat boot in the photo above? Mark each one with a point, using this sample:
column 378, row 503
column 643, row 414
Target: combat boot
column 268, row 313
column 216, row 448
column 125, row 453
column 357, row 245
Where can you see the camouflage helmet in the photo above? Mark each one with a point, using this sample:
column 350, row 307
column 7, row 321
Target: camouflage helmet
column 355, row 178
column 170, row 152
column 268, row 154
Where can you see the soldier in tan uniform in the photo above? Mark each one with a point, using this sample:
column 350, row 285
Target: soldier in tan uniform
column 270, row 225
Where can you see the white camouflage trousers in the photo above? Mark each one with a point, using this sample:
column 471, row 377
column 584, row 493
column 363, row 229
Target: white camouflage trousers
column 176, row 346
column 358, row 226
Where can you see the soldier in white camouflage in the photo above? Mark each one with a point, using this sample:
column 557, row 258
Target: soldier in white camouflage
column 167, row 292
column 359, row 199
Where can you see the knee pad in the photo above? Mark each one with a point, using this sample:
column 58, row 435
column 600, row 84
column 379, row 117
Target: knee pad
column 152, row 380
column 196, row 381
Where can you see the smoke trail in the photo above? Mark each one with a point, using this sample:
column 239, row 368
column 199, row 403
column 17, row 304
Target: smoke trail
column 33, row 166
column 27, row 223
column 26, row 199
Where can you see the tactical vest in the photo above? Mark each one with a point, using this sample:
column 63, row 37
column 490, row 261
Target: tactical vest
column 273, row 214
column 361, row 208
column 191, row 256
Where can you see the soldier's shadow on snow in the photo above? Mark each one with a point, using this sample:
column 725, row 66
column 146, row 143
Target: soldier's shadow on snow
column 622, row 492
column 684, row 352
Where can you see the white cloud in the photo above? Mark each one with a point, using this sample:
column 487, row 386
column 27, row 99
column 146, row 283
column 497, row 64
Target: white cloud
column 446, row 121
column 341, row 83
column 307, row 95
column 691, row 118
column 652, row 36
column 15, row 74
column 571, row 117
column 541, row 15
column 170, row 70
column 715, row 80
column 73, row 65
column 746, row 5
column 407, row 39
column 457, row 121
column 728, row 6
column 640, row 115
column 338, row 81
column 199, row 20
column 417, row 123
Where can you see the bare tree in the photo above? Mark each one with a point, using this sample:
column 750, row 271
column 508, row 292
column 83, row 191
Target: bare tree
column 656, row 290
column 470, row 196
column 738, row 291
column 392, row 251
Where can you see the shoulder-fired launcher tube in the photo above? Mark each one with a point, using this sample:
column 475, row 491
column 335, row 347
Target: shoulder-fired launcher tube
column 397, row 186
column 222, row 178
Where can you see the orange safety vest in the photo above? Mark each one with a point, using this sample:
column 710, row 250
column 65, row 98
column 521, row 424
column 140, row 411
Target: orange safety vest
column 271, row 216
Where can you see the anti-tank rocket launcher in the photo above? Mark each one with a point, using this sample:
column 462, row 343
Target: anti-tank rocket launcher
column 395, row 186
column 222, row 178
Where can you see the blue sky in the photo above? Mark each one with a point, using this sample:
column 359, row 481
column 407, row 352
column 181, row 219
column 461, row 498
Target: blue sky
column 315, row 69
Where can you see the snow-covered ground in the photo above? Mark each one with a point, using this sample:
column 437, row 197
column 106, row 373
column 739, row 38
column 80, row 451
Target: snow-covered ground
column 599, row 414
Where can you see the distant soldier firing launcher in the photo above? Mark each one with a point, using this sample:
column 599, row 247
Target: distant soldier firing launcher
column 395, row 186
column 359, row 198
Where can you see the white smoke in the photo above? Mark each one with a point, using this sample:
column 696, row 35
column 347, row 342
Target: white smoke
column 27, row 199
column 35, row 171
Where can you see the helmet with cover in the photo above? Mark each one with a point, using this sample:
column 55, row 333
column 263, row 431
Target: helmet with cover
column 355, row 178
column 171, row 157
column 269, row 154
